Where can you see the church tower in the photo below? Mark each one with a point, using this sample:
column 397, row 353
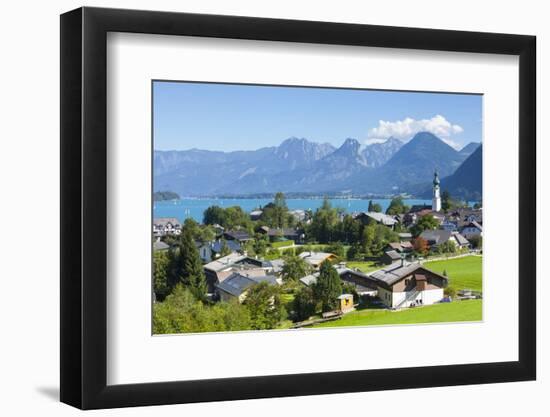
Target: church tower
column 436, row 199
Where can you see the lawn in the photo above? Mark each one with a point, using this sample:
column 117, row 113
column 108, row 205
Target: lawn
column 462, row 272
column 469, row 310
column 366, row 267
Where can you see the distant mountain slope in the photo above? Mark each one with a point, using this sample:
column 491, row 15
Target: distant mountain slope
column 469, row 149
column 467, row 180
column 330, row 173
column 200, row 172
column 378, row 154
column 416, row 161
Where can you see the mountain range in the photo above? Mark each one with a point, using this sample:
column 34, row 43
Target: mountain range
column 298, row 165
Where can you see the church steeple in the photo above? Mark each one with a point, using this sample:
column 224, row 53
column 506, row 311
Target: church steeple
column 436, row 178
column 436, row 199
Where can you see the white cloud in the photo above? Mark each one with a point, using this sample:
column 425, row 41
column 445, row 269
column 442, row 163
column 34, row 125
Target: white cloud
column 405, row 129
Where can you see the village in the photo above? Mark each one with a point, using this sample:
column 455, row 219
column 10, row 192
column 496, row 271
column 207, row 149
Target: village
column 275, row 268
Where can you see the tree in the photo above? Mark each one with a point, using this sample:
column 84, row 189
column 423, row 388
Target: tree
column 275, row 214
column 348, row 230
column 450, row 291
column 446, row 202
column 476, row 241
column 336, row 248
column 397, row 206
column 281, row 210
column 328, row 287
column 161, row 265
column 367, row 239
column 224, row 248
column 427, row 222
column 260, row 244
column 304, row 305
column 235, row 216
column 294, row 268
column 377, row 208
column 207, row 234
column 188, row 265
column 420, row 246
column 264, row 305
column 214, row 215
column 447, row 247
column 181, row 312
column 323, row 223
column 354, row 253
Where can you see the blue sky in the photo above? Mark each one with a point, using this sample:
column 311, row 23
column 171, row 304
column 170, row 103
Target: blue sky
column 229, row 117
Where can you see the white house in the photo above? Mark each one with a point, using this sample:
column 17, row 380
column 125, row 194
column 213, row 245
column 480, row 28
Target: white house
column 437, row 237
column 166, row 226
column 405, row 284
column 472, row 229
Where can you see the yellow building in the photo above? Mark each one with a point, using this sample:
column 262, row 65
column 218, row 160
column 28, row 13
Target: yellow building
column 346, row 303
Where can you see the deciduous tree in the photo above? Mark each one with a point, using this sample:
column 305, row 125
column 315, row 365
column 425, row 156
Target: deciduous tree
column 294, row 268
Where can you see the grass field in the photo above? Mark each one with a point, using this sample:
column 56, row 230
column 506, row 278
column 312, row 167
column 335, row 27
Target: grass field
column 462, row 272
column 445, row 312
column 364, row 266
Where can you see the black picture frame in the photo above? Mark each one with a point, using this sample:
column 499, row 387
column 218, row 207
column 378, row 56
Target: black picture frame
column 84, row 207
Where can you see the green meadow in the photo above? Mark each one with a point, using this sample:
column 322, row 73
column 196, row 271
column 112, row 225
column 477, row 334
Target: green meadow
column 462, row 272
column 468, row 310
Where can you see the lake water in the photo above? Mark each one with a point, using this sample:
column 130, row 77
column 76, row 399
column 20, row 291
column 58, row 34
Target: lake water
column 194, row 208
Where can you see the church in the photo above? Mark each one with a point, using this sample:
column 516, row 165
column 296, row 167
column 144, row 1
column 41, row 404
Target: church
column 436, row 196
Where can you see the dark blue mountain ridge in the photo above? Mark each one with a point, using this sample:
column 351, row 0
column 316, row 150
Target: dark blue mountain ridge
column 470, row 148
column 467, row 181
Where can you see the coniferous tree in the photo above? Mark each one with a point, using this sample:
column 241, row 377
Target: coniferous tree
column 161, row 284
column 328, row 287
column 189, row 266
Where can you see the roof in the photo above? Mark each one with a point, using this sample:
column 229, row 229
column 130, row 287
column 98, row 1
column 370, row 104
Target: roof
column 224, row 262
column 237, row 283
column 474, row 224
column 420, row 277
column 309, row 279
column 392, row 254
column 315, row 255
column 394, row 272
column 159, row 245
column 381, row 218
column 405, row 235
column 397, row 271
column 419, row 207
column 395, row 245
column 315, row 258
column 277, row 265
column 344, row 296
column 163, row 221
column 233, row 245
column 282, row 232
column 237, row 234
column 256, row 212
column 436, row 237
column 464, row 216
column 460, row 239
